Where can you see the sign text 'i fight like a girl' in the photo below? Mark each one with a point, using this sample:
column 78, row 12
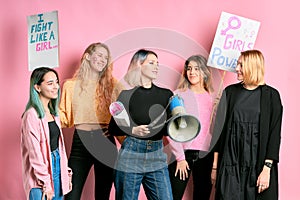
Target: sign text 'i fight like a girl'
column 43, row 40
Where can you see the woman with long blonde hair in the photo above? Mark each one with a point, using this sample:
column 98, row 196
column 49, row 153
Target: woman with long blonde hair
column 85, row 105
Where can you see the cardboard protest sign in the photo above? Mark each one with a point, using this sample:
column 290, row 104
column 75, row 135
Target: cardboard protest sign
column 234, row 34
column 43, row 40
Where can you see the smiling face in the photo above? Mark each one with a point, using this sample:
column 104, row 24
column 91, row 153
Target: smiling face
column 149, row 68
column 239, row 70
column 193, row 73
column 98, row 59
column 48, row 89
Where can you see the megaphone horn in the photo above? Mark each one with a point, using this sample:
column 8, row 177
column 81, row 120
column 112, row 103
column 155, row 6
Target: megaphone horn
column 181, row 127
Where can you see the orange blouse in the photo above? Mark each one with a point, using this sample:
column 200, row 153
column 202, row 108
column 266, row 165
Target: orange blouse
column 79, row 105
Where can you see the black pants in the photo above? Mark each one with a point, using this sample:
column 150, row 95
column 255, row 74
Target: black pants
column 200, row 167
column 92, row 148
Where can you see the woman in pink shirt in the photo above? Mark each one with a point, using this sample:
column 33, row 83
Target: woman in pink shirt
column 195, row 87
column 45, row 169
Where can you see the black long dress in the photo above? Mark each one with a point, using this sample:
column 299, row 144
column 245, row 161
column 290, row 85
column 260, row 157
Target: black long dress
column 237, row 172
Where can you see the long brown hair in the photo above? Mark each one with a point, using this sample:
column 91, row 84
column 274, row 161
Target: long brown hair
column 201, row 61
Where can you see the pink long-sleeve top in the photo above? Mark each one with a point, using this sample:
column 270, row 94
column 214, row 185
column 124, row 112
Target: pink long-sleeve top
column 36, row 154
column 200, row 106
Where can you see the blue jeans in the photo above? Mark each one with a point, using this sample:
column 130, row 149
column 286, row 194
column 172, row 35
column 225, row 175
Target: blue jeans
column 142, row 162
column 37, row 193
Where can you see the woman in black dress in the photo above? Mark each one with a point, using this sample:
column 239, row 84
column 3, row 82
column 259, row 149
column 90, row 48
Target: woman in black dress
column 247, row 153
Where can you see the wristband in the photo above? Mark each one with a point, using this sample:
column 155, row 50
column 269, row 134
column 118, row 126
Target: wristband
column 268, row 164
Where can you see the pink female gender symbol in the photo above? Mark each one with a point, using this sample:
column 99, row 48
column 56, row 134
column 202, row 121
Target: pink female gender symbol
column 232, row 26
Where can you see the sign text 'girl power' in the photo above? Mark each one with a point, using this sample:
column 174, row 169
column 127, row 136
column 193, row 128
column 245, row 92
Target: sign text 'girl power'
column 234, row 34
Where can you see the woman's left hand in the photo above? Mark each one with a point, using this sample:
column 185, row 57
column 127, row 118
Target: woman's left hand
column 70, row 174
column 263, row 180
column 182, row 168
column 213, row 176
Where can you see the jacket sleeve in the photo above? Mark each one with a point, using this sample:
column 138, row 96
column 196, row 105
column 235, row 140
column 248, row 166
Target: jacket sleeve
column 65, row 106
column 275, row 127
column 176, row 148
column 33, row 140
column 218, row 128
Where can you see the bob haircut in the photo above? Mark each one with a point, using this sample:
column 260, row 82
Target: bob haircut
column 253, row 67
column 133, row 75
column 37, row 77
column 204, row 70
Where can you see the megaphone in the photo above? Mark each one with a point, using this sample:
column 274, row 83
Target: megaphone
column 181, row 127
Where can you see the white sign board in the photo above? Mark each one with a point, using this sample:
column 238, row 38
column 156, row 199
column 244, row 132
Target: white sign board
column 234, row 34
column 43, row 40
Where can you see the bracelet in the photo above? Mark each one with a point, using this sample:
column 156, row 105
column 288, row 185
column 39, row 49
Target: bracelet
column 214, row 168
column 268, row 164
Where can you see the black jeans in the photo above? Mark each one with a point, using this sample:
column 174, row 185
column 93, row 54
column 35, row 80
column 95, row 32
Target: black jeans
column 92, row 148
column 201, row 169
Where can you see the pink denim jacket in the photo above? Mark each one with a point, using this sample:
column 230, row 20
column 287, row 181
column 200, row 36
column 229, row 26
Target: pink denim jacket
column 36, row 155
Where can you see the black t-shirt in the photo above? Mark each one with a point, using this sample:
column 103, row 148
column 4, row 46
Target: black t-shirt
column 54, row 135
column 143, row 106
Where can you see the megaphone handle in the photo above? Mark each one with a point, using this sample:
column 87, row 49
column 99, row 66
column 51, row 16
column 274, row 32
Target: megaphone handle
column 152, row 124
column 162, row 124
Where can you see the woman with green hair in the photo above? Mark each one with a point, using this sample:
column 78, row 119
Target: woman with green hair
column 45, row 171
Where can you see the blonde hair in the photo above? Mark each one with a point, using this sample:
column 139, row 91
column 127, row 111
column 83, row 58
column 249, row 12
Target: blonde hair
column 253, row 67
column 133, row 75
column 106, row 81
column 201, row 61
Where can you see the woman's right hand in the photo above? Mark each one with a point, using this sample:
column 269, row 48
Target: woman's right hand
column 141, row 130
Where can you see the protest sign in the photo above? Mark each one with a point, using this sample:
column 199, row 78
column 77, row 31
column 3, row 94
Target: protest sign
column 234, row 34
column 43, row 40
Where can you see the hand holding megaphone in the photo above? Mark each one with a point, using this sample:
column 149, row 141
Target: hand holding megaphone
column 181, row 126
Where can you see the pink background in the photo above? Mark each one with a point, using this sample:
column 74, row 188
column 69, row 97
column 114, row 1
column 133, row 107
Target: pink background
column 83, row 22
